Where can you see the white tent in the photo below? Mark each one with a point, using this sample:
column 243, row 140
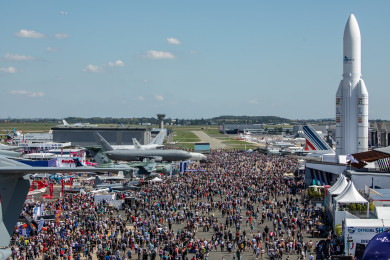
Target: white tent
column 157, row 179
column 339, row 186
column 350, row 195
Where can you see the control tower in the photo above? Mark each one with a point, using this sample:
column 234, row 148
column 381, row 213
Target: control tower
column 161, row 118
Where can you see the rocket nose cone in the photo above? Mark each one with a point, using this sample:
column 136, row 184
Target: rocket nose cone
column 352, row 28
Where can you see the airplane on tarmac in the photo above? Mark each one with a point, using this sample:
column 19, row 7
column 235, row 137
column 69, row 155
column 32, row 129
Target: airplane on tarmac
column 76, row 124
column 139, row 155
column 142, row 170
column 157, row 142
column 130, row 185
column 14, row 186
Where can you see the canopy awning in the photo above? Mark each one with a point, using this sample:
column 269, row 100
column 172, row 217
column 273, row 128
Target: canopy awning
column 350, row 195
column 370, row 156
column 339, row 186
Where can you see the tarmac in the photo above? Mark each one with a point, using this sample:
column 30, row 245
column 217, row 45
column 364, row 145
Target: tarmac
column 248, row 253
column 214, row 142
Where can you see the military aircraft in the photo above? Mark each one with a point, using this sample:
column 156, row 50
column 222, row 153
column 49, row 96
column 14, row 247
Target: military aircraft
column 14, row 186
column 130, row 185
column 139, row 155
column 157, row 142
column 142, row 170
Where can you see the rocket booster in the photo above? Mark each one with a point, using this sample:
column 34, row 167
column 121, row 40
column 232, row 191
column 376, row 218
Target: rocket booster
column 351, row 96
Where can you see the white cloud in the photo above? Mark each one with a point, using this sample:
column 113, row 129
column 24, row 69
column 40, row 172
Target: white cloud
column 61, row 36
column 17, row 57
column 117, row 63
column 253, row 101
column 159, row 97
column 9, row 70
column 173, row 41
column 52, row 49
column 23, row 33
column 27, row 93
column 92, row 68
column 63, row 13
column 101, row 68
column 140, row 98
column 159, row 55
column 193, row 52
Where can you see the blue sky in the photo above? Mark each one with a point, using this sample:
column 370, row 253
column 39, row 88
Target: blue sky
column 188, row 59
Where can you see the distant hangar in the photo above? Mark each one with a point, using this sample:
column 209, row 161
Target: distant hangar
column 83, row 136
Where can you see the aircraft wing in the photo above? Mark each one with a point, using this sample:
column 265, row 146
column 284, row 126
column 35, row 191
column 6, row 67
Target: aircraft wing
column 29, row 169
column 14, row 187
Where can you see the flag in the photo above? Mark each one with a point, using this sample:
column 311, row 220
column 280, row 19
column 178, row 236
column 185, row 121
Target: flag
column 351, row 159
column 40, row 225
column 51, row 192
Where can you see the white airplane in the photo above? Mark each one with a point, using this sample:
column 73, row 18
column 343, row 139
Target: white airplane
column 157, row 142
column 76, row 124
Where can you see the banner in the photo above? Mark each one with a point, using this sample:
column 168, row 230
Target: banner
column 40, row 225
column 361, row 235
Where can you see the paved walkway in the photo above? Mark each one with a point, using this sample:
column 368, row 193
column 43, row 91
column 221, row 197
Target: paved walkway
column 214, row 142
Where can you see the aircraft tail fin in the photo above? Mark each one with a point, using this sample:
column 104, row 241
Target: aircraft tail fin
column 147, row 169
column 97, row 181
column 106, row 146
column 14, row 189
column 314, row 143
column 98, row 155
column 137, row 145
column 128, row 174
column 159, row 139
column 64, row 122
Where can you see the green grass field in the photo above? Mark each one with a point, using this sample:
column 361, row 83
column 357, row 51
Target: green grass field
column 183, row 134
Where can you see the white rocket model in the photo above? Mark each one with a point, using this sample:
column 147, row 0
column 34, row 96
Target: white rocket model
column 351, row 96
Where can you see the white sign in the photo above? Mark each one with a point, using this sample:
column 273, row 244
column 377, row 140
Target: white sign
column 361, row 235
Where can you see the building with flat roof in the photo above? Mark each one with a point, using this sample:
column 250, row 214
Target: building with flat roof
column 83, row 136
column 241, row 128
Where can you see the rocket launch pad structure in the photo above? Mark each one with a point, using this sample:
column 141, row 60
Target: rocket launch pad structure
column 351, row 96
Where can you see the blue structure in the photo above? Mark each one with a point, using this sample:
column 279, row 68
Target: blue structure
column 45, row 163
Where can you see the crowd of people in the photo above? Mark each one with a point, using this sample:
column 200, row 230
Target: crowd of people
column 237, row 205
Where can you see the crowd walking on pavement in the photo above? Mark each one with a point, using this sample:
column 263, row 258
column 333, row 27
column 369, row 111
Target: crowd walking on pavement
column 237, row 205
